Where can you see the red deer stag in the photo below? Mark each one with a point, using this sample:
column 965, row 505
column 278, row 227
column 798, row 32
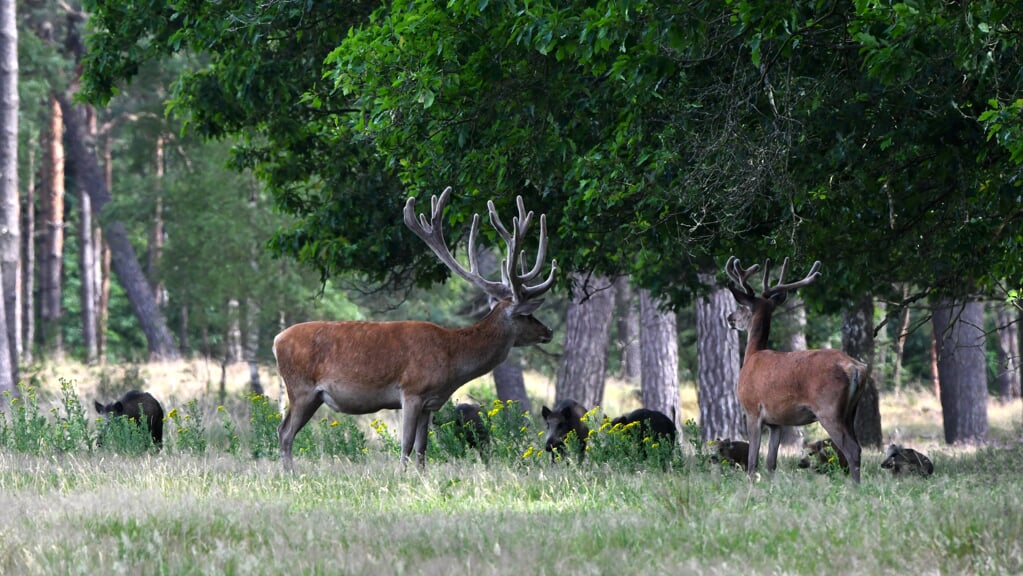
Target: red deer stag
column 790, row 388
column 363, row 367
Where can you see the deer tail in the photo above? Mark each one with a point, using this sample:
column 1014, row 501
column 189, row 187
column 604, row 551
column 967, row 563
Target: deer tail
column 857, row 380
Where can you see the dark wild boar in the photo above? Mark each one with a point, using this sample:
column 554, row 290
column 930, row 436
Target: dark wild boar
column 566, row 417
column 651, row 422
column 906, row 460
column 730, row 452
column 140, row 407
column 469, row 426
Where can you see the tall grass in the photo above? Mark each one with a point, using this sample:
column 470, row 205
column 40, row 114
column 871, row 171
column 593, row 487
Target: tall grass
column 223, row 506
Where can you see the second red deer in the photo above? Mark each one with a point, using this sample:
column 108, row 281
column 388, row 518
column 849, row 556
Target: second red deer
column 779, row 389
column 363, row 367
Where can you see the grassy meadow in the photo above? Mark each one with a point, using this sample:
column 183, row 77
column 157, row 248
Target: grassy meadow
column 215, row 501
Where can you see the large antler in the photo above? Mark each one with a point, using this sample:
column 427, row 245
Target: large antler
column 781, row 287
column 740, row 276
column 512, row 285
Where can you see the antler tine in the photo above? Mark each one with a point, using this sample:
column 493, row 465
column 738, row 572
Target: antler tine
column 781, row 286
column 516, row 280
column 432, row 233
column 740, row 276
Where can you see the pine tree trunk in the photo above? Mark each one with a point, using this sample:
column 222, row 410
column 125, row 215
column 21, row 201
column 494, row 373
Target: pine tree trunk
column 1008, row 353
column 29, row 263
column 52, row 252
column 899, row 344
column 10, row 215
column 510, row 383
column 587, row 335
column 87, row 267
column 252, row 344
column 858, row 342
column 717, row 356
column 658, row 337
column 154, row 248
column 628, row 330
column 123, row 257
column 233, row 339
column 959, row 333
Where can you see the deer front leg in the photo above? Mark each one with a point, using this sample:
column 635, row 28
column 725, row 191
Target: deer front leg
column 772, row 447
column 411, row 412
column 422, row 436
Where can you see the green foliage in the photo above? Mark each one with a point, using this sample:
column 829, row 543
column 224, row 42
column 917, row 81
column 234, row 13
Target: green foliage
column 71, row 429
column 122, row 435
column 28, row 428
column 189, row 430
column 629, row 444
column 230, row 431
column 342, row 437
column 264, row 419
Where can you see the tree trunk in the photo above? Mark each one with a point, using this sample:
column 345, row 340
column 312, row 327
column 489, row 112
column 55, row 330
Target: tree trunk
column 858, row 342
column 123, row 258
column 658, row 337
column 717, row 356
column 587, row 334
column 1008, row 353
column 52, row 252
column 959, row 331
column 233, row 339
column 251, row 349
column 510, row 384
column 154, row 248
column 899, row 343
column 628, row 330
column 87, row 267
column 10, row 215
column 29, row 263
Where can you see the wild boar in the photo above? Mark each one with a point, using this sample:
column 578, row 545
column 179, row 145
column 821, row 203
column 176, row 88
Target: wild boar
column 899, row 459
column 566, row 417
column 140, row 407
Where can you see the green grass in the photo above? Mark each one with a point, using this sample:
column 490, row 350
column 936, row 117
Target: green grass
column 215, row 501
column 219, row 514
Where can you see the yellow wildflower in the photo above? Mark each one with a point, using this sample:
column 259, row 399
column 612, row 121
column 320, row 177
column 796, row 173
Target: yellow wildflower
column 173, row 413
column 527, row 453
column 334, row 424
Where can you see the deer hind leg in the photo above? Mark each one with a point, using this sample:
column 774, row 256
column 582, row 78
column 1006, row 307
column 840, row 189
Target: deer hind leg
column 411, row 416
column 753, row 433
column 299, row 413
column 772, row 447
column 422, row 437
column 844, row 438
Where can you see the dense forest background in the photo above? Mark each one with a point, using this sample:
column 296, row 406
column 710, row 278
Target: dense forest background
column 188, row 178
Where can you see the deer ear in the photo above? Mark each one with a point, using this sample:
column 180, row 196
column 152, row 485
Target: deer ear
column 779, row 298
column 545, row 412
column 741, row 296
column 526, row 308
column 99, row 407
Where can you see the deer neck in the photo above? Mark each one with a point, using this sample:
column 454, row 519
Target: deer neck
column 759, row 328
column 485, row 344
